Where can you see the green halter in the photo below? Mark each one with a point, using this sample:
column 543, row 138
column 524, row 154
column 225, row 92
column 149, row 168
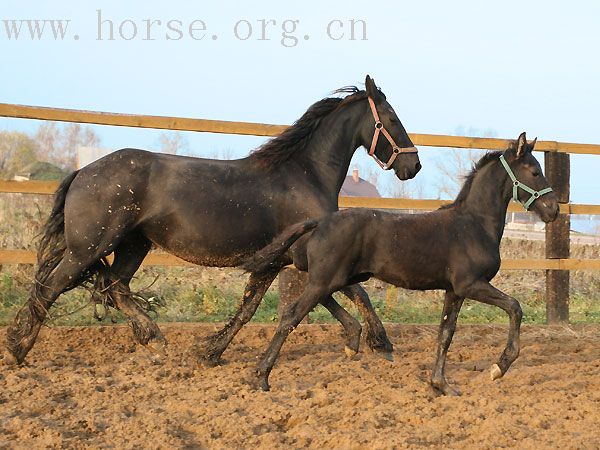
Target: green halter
column 517, row 184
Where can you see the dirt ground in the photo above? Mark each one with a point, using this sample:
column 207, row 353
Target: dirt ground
column 90, row 387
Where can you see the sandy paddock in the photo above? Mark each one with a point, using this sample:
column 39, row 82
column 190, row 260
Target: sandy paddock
column 90, row 387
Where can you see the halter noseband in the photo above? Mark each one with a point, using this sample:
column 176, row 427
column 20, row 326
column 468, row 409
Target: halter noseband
column 517, row 184
column 379, row 128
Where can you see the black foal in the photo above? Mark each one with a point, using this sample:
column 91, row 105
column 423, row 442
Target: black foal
column 455, row 248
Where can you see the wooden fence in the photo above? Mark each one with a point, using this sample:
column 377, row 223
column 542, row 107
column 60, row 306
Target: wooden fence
column 557, row 167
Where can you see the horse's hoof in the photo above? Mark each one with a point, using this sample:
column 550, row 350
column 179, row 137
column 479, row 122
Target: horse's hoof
column 264, row 385
column 158, row 347
column 156, row 351
column 350, row 353
column 210, row 359
column 495, row 372
column 445, row 389
column 388, row 356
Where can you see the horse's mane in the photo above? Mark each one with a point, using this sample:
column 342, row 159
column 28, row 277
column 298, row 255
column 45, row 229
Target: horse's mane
column 295, row 138
column 468, row 183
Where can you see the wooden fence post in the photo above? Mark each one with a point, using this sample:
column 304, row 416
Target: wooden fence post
column 291, row 285
column 558, row 240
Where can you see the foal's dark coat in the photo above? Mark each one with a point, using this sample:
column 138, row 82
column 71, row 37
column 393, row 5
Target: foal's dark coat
column 455, row 248
column 208, row 212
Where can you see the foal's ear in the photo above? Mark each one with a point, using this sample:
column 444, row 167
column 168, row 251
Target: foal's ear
column 372, row 90
column 532, row 144
column 522, row 147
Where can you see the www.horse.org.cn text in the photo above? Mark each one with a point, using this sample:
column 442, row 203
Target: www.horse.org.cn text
column 285, row 32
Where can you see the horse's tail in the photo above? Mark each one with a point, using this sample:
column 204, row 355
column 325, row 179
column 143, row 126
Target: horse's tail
column 265, row 259
column 52, row 245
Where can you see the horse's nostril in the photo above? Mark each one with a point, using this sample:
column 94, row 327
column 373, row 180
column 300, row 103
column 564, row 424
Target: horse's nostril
column 418, row 166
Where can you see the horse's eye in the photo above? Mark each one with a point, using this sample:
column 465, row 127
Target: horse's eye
column 536, row 173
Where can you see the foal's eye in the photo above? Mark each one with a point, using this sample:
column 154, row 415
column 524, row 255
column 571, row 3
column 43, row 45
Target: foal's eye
column 536, row 173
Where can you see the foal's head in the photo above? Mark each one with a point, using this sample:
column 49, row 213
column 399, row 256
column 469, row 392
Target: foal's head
column 528, row 173
column 375, row 136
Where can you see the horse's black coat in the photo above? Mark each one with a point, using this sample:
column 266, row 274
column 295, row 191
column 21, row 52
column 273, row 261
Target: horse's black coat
column 208, row 212
column 455, row 248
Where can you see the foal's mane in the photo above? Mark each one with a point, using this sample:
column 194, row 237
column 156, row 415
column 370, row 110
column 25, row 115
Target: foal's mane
column 295, row 138
column 486, row 159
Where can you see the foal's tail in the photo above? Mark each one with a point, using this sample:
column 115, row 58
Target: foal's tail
column 265, row 259
column 52, row 245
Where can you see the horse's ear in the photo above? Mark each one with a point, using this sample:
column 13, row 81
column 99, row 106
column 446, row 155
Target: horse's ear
column 372, row 90
column 532, row 145
column 521, row 148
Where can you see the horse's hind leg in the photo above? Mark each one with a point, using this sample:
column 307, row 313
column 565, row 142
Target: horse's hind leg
column 22, row 333
column 351, row 326
column 211, row 350
column 452, row 305
column 377, row 339
column 486, row 293
column 128, row 257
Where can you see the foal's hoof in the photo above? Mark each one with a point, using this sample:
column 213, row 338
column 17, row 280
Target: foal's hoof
column 259, row 382
column 495, row 372
column 350, row 353
column 264, row 385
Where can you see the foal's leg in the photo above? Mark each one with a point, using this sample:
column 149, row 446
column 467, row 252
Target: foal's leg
column 22, row 333
column 351, row 326
column 452, row 305
column 376, row 336
column 128, row 258
column 292, row 316
column 486, row 293
column 214, row 346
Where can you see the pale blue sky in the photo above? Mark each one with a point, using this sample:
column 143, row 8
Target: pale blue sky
column 508, row 66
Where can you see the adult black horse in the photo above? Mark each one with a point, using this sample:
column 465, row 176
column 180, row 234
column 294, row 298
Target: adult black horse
column 456, row 248
column 212, row 213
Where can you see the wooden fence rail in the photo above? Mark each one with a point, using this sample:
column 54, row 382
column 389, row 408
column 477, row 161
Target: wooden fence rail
column 556, row 265
column 49, row 187
column 259, row 129
column 167, row 260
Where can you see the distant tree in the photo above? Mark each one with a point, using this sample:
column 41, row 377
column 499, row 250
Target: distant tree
column 45, row 171
column 405, row 189
column 454, row 164
column 59, row 144
column 17, row 151
column 173, row 144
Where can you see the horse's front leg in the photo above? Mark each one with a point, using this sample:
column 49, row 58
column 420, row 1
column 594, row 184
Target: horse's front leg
column 211, row 350
column 377, row 339
column 486, row 293
column 351, row 326
column 452, row 305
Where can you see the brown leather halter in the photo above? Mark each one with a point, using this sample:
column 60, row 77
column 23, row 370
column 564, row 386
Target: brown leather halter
column 379, row 128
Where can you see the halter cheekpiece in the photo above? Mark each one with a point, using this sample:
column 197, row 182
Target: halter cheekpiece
column 379, row 128
column 517, row 184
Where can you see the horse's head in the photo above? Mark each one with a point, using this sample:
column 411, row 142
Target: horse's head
column 529, row 186
column 385, row 138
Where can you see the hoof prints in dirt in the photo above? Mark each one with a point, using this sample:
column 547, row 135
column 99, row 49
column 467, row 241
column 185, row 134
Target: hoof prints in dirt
column 92, row 387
